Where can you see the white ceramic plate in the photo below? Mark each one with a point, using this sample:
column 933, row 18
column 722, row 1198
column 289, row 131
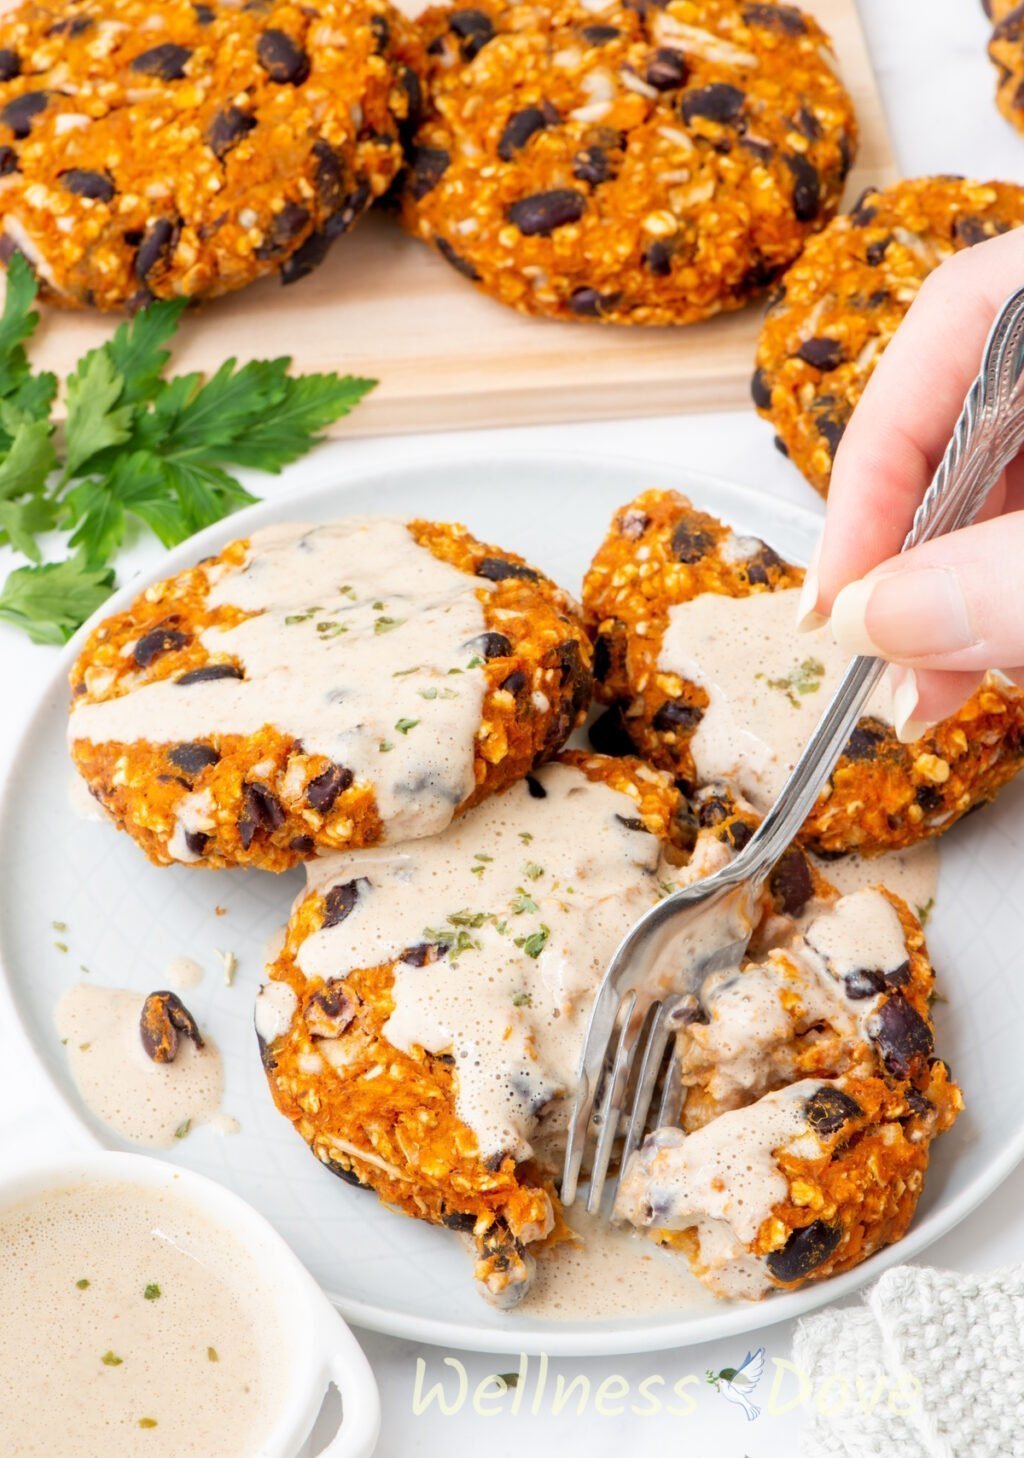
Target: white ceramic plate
column 126, row 919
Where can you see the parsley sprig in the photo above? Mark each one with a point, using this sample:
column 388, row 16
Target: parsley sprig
column 136, row 449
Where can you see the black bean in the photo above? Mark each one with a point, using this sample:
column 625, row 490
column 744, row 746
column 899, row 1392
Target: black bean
column 302, row 843
column 631, row 822
column 20, row 113
column 498, row 569
column 572, row 670
column 666, row 70
column 285, row 227
column 541, row 214
column 833, row 431
column 167, row 62
column 209, row 673
column 864, row 982
column 8, row 161
column 589, row 304
column 761, row 390
column 928, row 797
column 970, row 231
column 690, row 543
column 738, row 833
column 331, row 177
column 490, row 645
column 340, row 901
column 875, row 252
column 10, row 65
column 351, row 207
column 805, row 1251
column 461, row 1220
column 98, row 186
column 285, row 62
column 713, row 809
column 518, row 130
column 515, row 683
column 592, row 165
column 806, row 187
column 600, row 35
column 412, row 86
column 902, row 1035
column 658, row 258
column 73, row 26
column 718, row 102
column 918, row 1104
column 862, row 213
column 829, row 1108
column 322, row 792
column 423, row 954
column 330, row 1011
column 193, row 758
column 428, row 166
column 162, row 1022
column 346, row 1173
column 460, row 264
column 763, row 151
column 762, row 564
column 159, row 239
column 196, row 842
column 783, row 18
column 822, row 353
column 781, row 446
column 227, row 129
column 677, row 717
column 474, row 30
column 685, row 825
column 308, row 256
column 536, row 789
column 899, row 976
column 791, row 882
column 204, row 14
column 602, row 657
column 608, row 734
column 261, row 810
column 156, row 642
column 381, row 33
column 808, row 124
column 174, row 780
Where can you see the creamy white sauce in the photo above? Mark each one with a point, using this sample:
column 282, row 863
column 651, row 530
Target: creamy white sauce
column 358, row 646
column 768, row 686
column 859, row 931
column 183, row 973
column 723, row 1180
column 59, row 1398
column 145, row 1102
column 532, row 895
column 912, row 874
column 610, row 1271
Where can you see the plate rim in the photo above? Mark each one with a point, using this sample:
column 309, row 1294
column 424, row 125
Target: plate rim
column 595, row 1338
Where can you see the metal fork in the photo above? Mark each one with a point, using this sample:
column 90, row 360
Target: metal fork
column 663, row 960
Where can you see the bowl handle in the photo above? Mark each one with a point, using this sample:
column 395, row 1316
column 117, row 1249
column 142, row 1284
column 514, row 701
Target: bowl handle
column 350, row 1372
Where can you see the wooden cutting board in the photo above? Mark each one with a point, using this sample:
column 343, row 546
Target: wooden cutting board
column 447, row 357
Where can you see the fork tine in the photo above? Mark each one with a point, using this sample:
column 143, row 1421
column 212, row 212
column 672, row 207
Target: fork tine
column 608, row 1114
column 672, row 1092
column 658, row 1033
column 600, row 1033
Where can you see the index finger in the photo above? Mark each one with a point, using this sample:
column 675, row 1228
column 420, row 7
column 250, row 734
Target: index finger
column 901, row 427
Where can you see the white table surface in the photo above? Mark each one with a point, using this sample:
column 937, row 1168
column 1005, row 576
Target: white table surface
column 938, row 90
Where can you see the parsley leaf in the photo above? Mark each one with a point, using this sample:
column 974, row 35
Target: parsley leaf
column 50, row 601
column 137, row 446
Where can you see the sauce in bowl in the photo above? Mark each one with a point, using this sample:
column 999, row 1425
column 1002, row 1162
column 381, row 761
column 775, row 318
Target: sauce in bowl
column 132, row 1325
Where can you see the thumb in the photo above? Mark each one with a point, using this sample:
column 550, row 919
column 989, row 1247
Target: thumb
column 956, row 603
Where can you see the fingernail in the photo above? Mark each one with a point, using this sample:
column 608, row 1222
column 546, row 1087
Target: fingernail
column 904, row 696
column 903, row 615
column 807, row 615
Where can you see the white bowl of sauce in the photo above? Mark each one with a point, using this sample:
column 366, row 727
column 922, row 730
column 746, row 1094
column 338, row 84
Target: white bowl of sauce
column 148, row 1312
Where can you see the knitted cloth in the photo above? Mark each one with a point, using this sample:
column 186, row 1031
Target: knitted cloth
column 949, row 1345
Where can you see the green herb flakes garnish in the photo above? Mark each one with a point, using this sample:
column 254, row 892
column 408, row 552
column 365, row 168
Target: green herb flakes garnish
column 147, row 1422
column 475, row 662
column 404, row 725
column 82, row 1285
column 427, row 693
column 386, row 625
column 510, row 1379
column 532, row 871
column 183, row 1129
column 59, row 926
column 110, row 1359
column 385, row 746
column 803, row 680
column 294, row 618
column 535, row 943
column 331, row 630
column 211, row 1353
column 924, row 912
column 152, row 1292
column 523, row 903
column 61, row 946
column 137, row 448
column 522, row 999
column 525, row 837
column 405, row 672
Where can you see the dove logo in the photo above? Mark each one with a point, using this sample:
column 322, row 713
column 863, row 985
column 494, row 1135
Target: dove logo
column 737, row 1384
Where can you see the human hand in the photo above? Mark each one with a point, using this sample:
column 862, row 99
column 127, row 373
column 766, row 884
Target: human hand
column 952, row 608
